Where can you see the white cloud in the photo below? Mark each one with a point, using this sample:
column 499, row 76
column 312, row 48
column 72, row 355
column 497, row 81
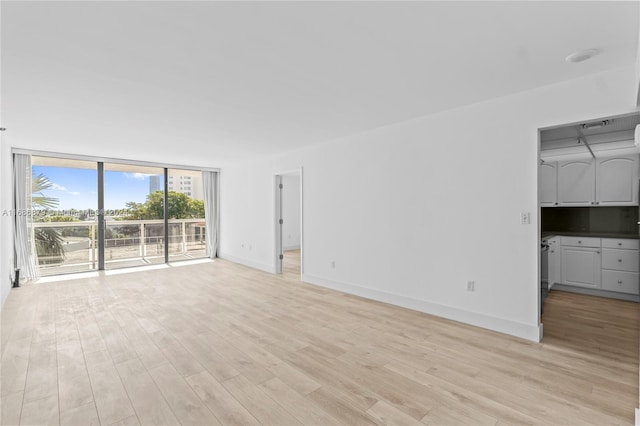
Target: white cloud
column 139, row 176
column 56, row 187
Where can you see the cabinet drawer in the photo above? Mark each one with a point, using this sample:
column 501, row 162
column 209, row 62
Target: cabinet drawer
column 620, row 243
column 620, row 260
column 580, row 241
column 624, row 282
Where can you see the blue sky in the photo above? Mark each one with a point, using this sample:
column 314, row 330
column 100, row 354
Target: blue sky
column 78, row 188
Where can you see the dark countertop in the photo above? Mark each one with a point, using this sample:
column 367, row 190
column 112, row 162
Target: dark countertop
column 546, row 234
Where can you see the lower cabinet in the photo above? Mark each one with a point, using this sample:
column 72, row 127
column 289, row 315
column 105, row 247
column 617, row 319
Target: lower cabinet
column 605, row 264
column 581, row 266
column 620, row 281
column 620, row 265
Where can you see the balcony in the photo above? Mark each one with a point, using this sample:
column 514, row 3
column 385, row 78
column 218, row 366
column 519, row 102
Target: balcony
column 127, row 243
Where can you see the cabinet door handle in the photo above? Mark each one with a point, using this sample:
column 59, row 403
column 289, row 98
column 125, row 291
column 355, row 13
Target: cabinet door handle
column 619, row 281
column 579, row 242
column 598, row 252
column 619, row 244
column 619, row 260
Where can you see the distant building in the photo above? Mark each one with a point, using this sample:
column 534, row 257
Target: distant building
column 155, row 183
column 190, row 185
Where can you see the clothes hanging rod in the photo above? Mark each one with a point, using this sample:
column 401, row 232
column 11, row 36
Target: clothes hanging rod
column 582, row 139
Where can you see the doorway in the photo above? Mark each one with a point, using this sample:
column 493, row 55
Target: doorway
column 588, row 174
column 288, row 202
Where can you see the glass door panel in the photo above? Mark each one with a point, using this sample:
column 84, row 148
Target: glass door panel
column 186, row 215
column 64, row 203
column 134, row 215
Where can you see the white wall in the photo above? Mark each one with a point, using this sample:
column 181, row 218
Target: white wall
column 412, row 211
column 291, row 212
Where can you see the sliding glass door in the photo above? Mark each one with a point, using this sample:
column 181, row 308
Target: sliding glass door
column 94, row 215
column 134, row 233
column 64, row 203
column 186, row 215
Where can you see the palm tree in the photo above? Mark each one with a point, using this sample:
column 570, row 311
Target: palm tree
column 39, row 184
column 48, row 241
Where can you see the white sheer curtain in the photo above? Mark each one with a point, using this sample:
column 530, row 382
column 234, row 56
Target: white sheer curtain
column 26, row 257
column 211, row 211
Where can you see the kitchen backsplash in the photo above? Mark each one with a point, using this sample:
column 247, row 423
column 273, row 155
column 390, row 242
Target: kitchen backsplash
column 615, row 220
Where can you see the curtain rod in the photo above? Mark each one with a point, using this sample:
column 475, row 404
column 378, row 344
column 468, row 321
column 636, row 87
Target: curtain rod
column 109, row 160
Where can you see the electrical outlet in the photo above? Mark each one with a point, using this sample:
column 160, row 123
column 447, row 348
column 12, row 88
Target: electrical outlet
column 471, row 286
column 333, row 264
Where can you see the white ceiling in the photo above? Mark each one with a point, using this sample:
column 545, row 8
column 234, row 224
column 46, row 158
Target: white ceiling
column 214, row 82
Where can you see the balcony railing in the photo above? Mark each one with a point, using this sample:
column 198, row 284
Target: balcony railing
column 127, row 243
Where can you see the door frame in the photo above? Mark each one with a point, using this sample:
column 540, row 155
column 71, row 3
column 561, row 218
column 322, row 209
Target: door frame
column 539, row 207
column 277, row 180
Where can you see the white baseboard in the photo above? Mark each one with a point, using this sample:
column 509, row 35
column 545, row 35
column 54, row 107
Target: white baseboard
column 637, row 416
column 541, row 332
column 514, row 328
column 294, row 247
column 248, row 262
column 600, row 293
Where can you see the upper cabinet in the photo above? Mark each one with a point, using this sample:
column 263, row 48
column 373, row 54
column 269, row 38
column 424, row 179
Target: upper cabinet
column 576, row 183
column 548, row 184
column 617, row 181
column 610, row 181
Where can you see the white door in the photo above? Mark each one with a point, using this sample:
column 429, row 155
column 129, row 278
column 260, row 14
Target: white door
column 548, row 184
column 581, row 266
column 576, row 183
column 288, row 217
column 617, row 181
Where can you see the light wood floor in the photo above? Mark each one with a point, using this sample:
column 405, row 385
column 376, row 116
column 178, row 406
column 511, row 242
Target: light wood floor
column 220, row 343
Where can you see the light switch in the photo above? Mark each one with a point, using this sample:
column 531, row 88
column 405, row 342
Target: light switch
column 525, row 218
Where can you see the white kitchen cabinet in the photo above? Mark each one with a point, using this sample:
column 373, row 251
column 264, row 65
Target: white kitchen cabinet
column 620, row 281
column 576, row 183
column 620, row 265
column 554, row 262
column 617, row 181
column 621, row 243
column 548, row 184
column 581, row 266
column 608, row 181
column 620, row 260
column 601, row 264
column 581, row 241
